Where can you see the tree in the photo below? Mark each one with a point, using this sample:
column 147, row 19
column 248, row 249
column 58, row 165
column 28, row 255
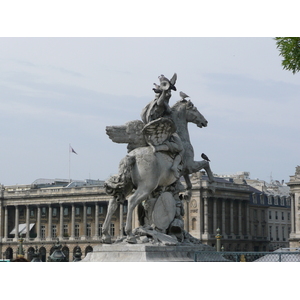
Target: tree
column 289, row 48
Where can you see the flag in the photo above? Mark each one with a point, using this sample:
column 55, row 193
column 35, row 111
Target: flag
column 72, row 150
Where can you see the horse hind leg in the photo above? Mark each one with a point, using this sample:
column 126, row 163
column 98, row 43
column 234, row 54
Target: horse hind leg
column 133, row 201
column 112, row 207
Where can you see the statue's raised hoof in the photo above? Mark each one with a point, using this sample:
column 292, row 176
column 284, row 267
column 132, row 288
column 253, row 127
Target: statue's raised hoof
column 106, row 239
column 131, row 240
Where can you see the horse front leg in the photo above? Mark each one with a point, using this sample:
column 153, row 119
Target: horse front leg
column 112, row 206
column 203, row 164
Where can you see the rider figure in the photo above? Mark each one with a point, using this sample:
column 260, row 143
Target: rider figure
column 159, row 108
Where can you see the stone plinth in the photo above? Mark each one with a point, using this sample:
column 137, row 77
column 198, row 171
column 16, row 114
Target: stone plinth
column 144, row 253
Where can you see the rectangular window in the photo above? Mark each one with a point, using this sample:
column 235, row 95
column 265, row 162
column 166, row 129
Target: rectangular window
column 66, row 211
column 77, row 211
column 54, row 212
column 283, row 237
column 32, row 213
column 43, row 231
column 270, row 233
column 89, row 210
column 289, row 216
column 262, row 215
column 76, row 230
column 100, row 229
column 282, row 215
column 88, row 229
column 282, row 201
column 21, row 212
column 43, row 211
column 101, row 210
column 125, row 209
column 270, row 214
column 112, row 229
column 54, row 231
column 66, row 230
column 270, row 200
column 277, row 233
column 276, row 215
column 255, row 215
column 276, row 200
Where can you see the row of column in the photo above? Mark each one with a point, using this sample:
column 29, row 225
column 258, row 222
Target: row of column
column 223, row 217
column 61, row 222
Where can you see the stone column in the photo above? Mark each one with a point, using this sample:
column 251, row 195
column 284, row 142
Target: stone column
column 121, row 220
column 50, row 223
column 186, row 215
column 223, row 232
column 240, row 218
column 231, row 218
column 205, row 216
column 84, row 221
column 27, row 222
column 215, row 216
column 201, row 217
column 61, row 221
column 73, row 222
column 247, row 220
column 1, row 220
column 96, row 235
column 38, row 228
column 5, row 223
column 292, row 213
column 16, row 222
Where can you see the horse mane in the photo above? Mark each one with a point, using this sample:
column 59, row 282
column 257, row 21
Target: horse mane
column 180, row 102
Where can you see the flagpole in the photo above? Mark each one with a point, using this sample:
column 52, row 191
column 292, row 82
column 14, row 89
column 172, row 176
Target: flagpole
column 69, row 163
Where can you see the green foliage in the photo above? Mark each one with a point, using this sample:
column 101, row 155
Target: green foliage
column 289, row 48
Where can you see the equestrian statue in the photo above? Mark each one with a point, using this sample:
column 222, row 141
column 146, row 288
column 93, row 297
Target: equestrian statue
column 159, row 154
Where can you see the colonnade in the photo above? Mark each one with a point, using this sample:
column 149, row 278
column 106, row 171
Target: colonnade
column 60, row 219
column 231, row 216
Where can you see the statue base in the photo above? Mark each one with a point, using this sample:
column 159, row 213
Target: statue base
column 144, row 253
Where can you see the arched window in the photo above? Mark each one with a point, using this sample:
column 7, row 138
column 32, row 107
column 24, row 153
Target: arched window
column 30, row 251
column 43, row 254
column 9, row 253
column 194, row 224
column 88, row 249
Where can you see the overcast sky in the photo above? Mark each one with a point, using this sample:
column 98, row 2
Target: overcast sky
column 56, row 91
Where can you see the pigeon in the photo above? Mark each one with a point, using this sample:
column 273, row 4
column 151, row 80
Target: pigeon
column 204, row 157
column 183, row 95
column 163, row 78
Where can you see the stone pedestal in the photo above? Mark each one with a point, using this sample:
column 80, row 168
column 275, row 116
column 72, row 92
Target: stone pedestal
column 144, row 253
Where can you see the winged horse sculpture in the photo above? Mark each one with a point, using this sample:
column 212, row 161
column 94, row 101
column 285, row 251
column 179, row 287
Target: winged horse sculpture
column 159, row 153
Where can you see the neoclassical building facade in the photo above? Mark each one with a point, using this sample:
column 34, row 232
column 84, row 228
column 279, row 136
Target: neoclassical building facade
column 294, row 185
column 73, row 214
column 249, row 219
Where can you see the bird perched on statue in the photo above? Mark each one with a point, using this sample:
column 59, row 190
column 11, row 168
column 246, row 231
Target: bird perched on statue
column 163, row 78
column 183, row 95
column 204, row 157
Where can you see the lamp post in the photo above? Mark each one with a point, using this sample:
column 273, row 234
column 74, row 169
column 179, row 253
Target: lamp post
column 218, row 237
column 20, row 252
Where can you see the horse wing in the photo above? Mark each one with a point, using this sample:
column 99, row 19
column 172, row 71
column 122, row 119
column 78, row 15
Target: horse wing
column 130, row 133
column 159, row 130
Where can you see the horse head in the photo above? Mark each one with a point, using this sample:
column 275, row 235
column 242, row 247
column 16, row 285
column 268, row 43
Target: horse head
column 191, row 112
